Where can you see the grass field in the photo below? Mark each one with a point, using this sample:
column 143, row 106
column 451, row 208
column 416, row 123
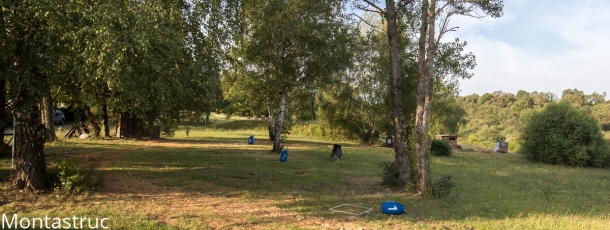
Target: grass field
column 212, row 179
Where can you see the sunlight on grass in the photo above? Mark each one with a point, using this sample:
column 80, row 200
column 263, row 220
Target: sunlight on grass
column 213, row 179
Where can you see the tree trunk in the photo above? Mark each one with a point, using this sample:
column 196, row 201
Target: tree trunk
column 366, row 134
column 105, row 120
column 271, row 124
column 424, row 94
column 313, row 106
column 401, row 146
column 277, row 144
column 31, row 169
column 3, row 109
column 48, row 117
column 119, row 118
column 25, row 87
column 91, row 118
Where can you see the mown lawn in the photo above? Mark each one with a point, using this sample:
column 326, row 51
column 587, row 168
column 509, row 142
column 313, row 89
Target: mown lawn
column 212, row 179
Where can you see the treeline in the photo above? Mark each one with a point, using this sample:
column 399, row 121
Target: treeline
column 150, row 60
column 497, row 116
column 164, row 61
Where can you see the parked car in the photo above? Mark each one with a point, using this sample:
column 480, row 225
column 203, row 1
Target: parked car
column 59, row 117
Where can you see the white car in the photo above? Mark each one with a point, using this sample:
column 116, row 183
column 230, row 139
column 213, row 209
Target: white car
column 59, row 117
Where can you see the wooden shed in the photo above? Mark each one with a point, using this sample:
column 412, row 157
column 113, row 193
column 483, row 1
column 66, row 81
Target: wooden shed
column 501, row 147
column 133, row 127
column 451, row 139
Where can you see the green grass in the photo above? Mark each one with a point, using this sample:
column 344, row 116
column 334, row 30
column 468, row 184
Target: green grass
column 215, row 165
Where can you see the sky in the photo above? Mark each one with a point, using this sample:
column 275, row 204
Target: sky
column 539, row 45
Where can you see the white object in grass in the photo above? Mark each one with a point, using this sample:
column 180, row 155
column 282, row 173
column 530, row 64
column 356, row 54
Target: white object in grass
column 337, row 209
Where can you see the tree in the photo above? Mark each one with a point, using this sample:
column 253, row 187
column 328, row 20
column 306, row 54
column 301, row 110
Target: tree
column 28, row 39
column 111, row 55
column 575, row 97
column 450, row 66
column 565, row 135
column 289, row 46
column 401, row 137
column 427, row 47
column 357, row 101
column 123, row 51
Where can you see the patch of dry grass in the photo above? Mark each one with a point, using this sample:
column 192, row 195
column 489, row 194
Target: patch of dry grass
column 214, row 180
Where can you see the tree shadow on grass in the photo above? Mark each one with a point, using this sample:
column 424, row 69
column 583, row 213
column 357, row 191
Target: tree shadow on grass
column 315, row 183
column 309, row 183
column 258, row 142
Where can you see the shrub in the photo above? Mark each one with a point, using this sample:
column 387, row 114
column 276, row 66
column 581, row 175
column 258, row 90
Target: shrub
column 320, row 130
column 70, row 177
column 442, row 187
column 440, row 148
column 390, row 175
column 564, row 135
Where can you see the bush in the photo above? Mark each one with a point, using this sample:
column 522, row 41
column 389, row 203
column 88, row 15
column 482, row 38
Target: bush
column 442, row 187
column 320, row 130
column 390, row 175
column 440, row 148
column 69, row 177
column 564, row 135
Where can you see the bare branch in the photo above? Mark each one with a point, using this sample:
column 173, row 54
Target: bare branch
column 374, row 6
column 56, row 94
column 471, row 10
column 438, row 12
column 365, row 21
column 443, row 25
column 372, row 11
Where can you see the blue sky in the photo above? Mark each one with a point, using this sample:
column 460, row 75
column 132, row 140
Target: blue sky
column 539, row 45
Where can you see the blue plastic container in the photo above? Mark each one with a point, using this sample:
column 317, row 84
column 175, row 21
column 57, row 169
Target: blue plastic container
column 284, row 155
column 392, row 207
column 251, row 140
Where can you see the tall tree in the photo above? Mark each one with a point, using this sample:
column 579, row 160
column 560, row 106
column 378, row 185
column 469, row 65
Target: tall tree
column 28, row 40
column 451, row 65
column 114, row 53
column 357, row 103
column 443, row 10
column 123, row 51
column 290, row 46
column 401, row 137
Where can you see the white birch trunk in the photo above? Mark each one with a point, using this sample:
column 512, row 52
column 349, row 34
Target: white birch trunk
column 424, row 94
column 277, row 144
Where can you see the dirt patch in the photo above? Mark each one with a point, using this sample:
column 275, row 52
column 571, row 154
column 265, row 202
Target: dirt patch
column 105, row 158
column 172, row 206
column 176, row 208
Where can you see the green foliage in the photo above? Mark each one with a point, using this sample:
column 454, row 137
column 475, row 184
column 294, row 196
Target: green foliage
column 357, row 100
column 71, row 177
column 498, row 116
column 442, row 187
column 322, row 130
column 242, row 125
column 562, row 134
column 390, row 175
column 451, row 64
column 288, row 48
column 440, row 148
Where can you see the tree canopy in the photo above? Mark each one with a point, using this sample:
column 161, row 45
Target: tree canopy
column 287, row 47
column 499, row 116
